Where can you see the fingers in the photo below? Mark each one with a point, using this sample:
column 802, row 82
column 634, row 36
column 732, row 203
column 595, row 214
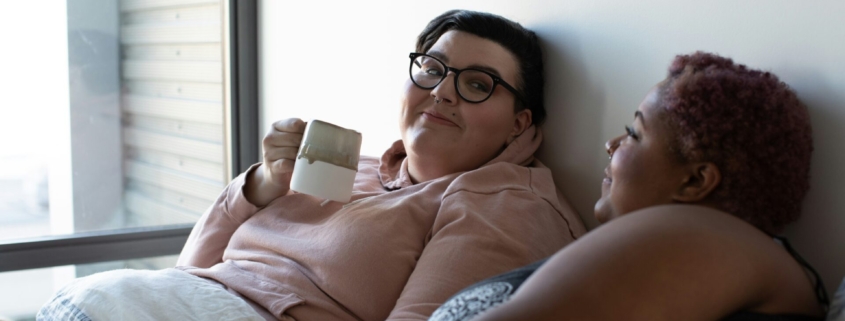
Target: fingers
column 281, row 159
column 281, row 144
column 281, row 139
column 290, row 125
column 278, row 153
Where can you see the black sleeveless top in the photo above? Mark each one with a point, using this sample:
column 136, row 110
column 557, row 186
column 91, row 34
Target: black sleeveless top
column 491, row 292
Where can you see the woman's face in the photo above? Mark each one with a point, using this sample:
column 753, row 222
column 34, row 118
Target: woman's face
column 455, row 135
column 642, row 170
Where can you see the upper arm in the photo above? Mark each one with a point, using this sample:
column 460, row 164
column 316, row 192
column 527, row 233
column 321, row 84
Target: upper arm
column 658, row 266
column 476, row 236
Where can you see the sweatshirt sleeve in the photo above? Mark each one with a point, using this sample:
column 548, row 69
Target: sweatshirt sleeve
column 210, row 236
column 475, row 236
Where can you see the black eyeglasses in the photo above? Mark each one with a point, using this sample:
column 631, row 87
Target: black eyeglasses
column 473, row 85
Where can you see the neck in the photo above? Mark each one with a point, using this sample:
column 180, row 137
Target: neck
column 423, row 170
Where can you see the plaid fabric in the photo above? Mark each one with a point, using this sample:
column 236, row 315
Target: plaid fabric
column 60, row 308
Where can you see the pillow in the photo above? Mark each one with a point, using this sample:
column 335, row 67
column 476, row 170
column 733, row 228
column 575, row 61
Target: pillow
column 484, row 295
column 837, row 306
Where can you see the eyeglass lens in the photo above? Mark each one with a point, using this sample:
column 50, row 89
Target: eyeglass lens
column 473, row 85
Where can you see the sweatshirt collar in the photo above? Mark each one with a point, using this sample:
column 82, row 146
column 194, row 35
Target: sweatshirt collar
column 393, row 168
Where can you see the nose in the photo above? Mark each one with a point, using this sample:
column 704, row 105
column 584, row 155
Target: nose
column 612, row 144
column 445, row 90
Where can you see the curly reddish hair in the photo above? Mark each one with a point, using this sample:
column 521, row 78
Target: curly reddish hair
column 748, row 123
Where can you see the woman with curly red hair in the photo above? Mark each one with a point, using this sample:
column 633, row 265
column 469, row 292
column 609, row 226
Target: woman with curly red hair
column 715, row 163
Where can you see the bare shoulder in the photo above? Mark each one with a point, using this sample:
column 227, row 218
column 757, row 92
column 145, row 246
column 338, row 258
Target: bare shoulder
column 675, row 262
column 690, row 226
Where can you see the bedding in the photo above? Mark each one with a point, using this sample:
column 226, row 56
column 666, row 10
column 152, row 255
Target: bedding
column 145, row 295
column 837, row 307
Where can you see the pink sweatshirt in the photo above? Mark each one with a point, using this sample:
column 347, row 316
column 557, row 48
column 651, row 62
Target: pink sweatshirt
column 397, row 251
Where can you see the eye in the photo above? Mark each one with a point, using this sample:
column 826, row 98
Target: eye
column 480, row 86
column 474, row 81
column 433, row 72
column 632, row 133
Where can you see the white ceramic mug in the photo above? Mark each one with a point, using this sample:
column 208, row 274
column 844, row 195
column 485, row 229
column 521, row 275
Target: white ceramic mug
column 327, row 161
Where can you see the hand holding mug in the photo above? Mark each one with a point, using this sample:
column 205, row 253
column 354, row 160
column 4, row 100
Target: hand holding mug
column 272, row 179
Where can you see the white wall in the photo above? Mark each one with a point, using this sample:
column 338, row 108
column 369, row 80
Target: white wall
column 602, row 57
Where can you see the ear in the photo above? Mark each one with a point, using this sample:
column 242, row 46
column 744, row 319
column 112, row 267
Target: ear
column 701, row 179
column 521, row 122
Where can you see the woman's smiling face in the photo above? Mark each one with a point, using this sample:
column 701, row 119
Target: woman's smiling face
column 643, row 171
column 455, row 135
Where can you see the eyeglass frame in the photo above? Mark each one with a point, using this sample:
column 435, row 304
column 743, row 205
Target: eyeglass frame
column 496, row 79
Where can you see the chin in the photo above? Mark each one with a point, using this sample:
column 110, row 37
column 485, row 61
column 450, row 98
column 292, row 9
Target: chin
column 600, row 218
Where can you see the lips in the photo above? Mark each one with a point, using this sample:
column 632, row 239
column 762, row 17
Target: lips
column 607, row 179
column 438, row 118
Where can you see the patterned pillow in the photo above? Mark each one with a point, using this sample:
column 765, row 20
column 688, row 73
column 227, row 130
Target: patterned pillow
column 484, row 295
column 837, row 307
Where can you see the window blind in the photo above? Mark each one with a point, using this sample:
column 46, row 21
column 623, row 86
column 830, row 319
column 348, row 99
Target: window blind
column 172, row 109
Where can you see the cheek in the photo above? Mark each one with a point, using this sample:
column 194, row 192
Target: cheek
column 413, row 96
column 626, row 178
column 411, row 100
column 631, row 161
column 491, row 123
column 639, row 181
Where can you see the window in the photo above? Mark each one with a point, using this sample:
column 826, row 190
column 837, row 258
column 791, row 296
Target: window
column 130, row 132
column 123, row 122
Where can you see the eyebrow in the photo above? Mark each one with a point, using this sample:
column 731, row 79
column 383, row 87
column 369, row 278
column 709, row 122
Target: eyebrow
column 442, row 57
column 438, row 55
column 487, row 69
column 640, row 115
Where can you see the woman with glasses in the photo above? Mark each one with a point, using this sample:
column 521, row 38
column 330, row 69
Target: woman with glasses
column 713, row 166
column 459, row 198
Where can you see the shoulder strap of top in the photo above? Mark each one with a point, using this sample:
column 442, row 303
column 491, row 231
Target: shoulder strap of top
column 821, row 292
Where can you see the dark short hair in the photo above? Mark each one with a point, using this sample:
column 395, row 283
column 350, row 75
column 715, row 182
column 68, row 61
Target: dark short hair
column 523, row 43
column 752, row 126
